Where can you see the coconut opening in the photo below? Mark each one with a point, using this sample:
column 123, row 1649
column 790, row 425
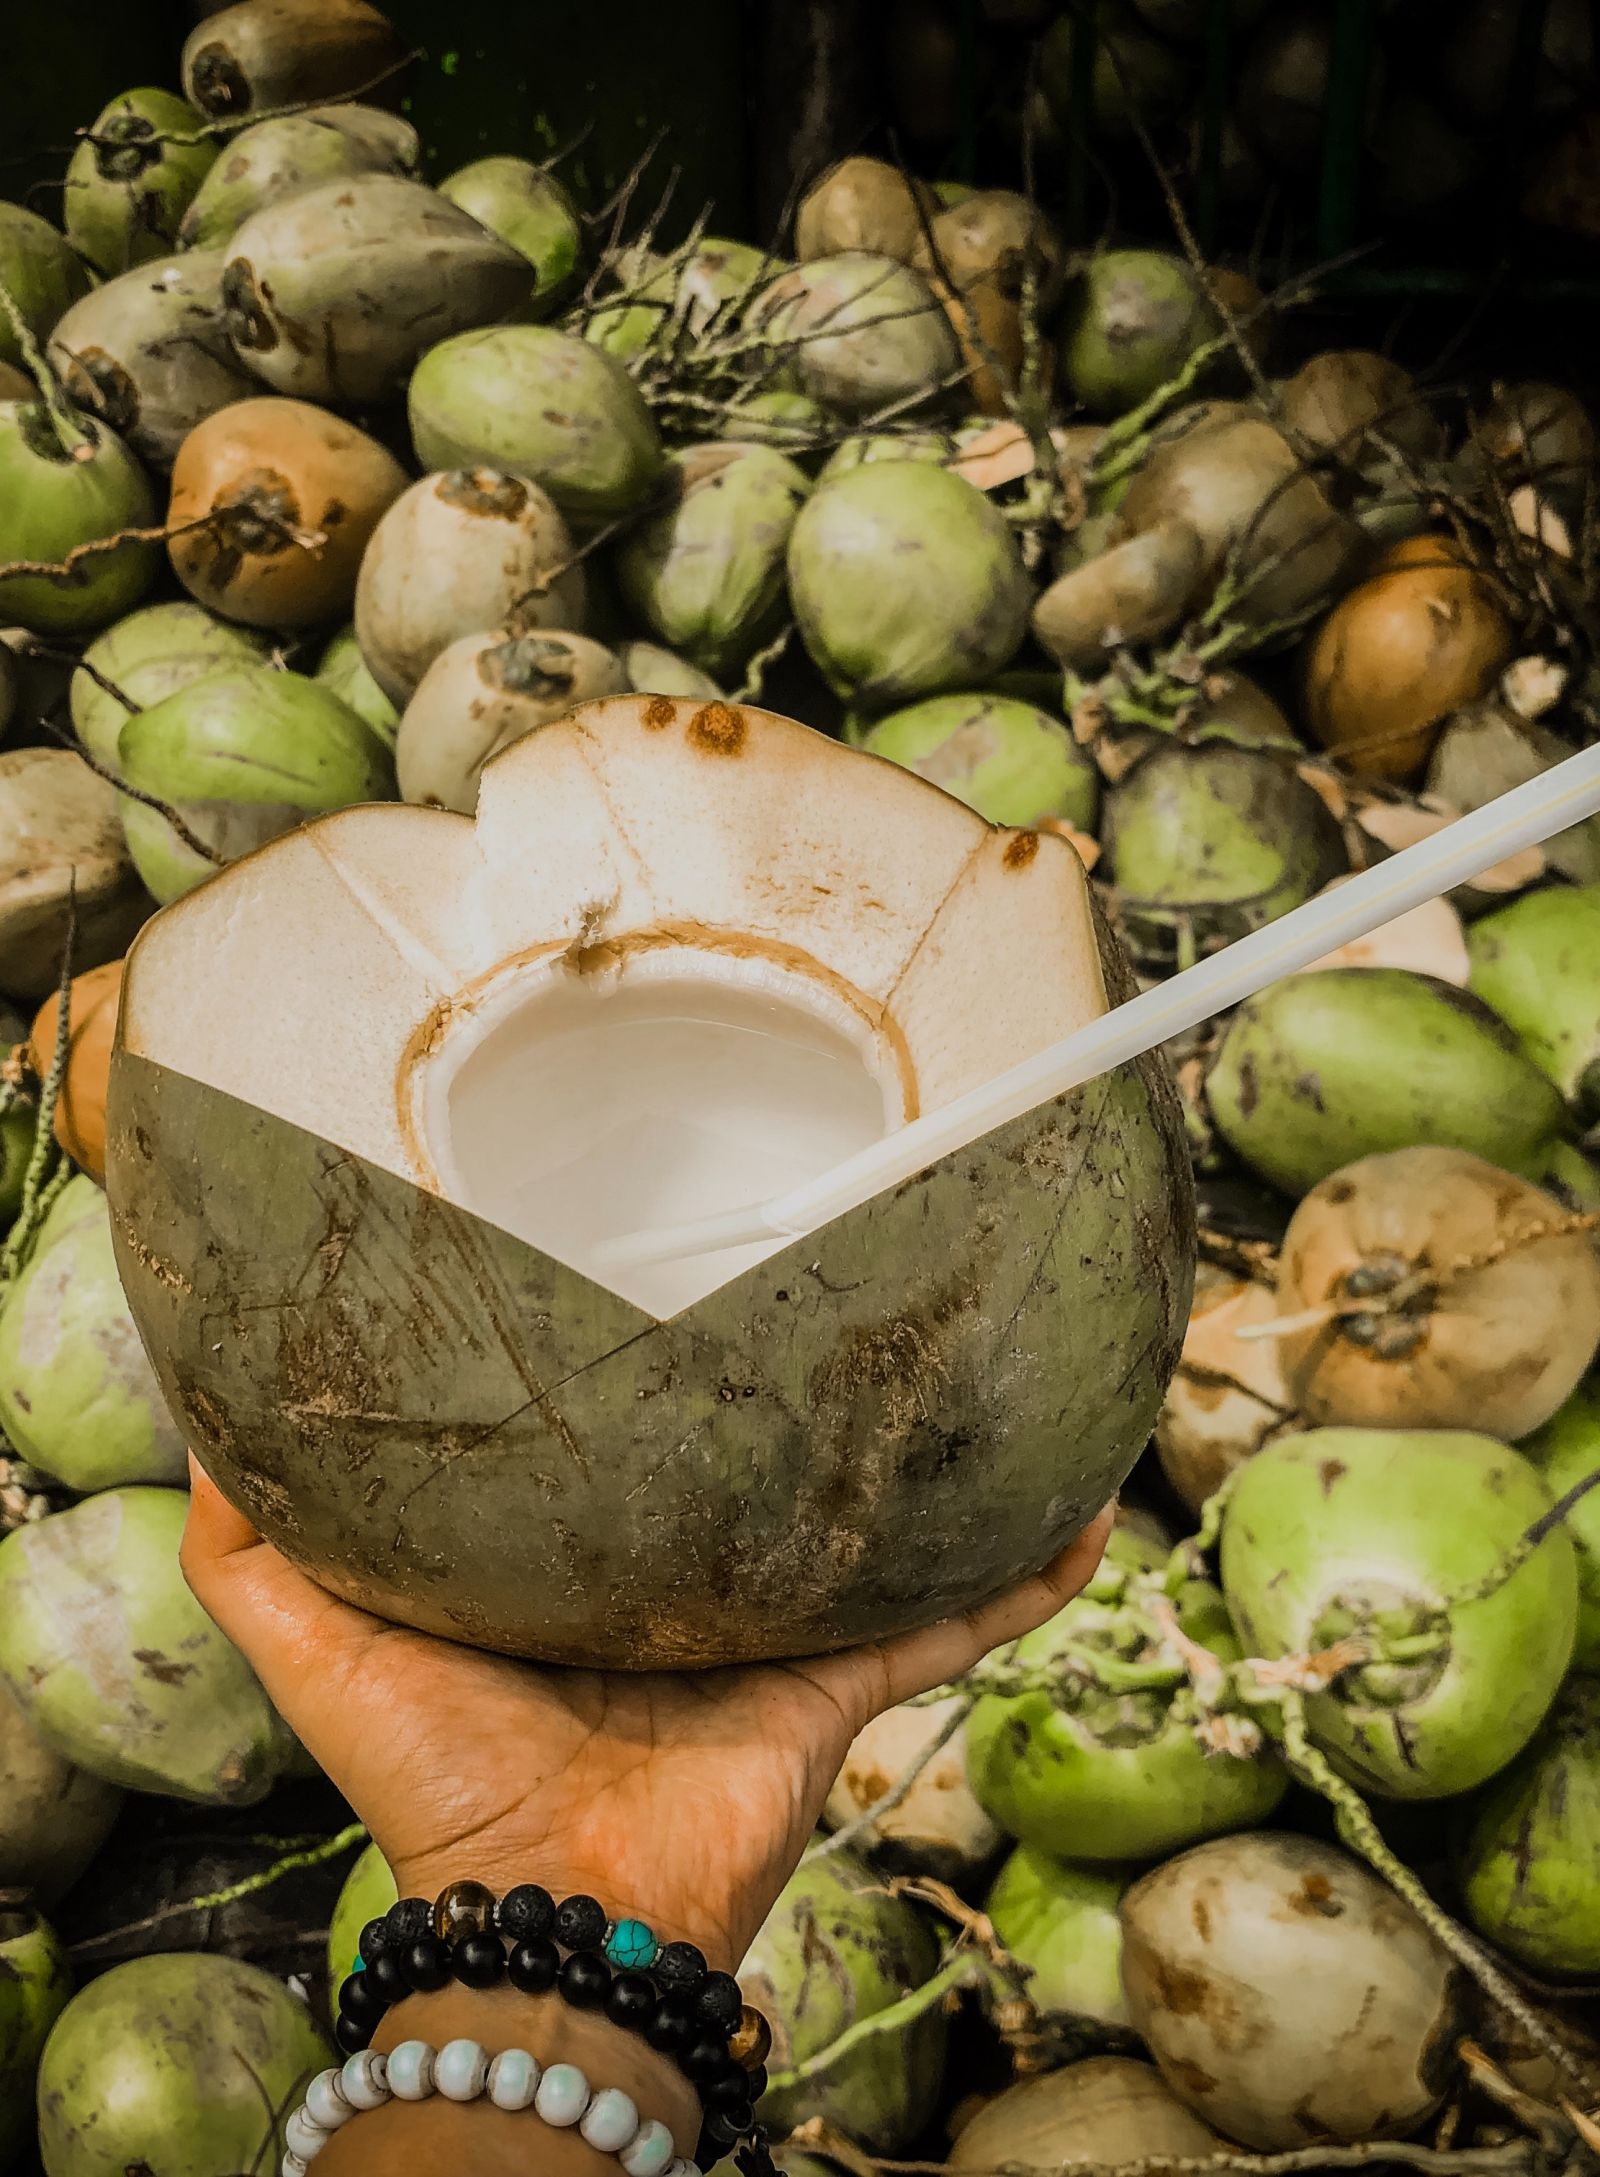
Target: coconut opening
column 572, row 1106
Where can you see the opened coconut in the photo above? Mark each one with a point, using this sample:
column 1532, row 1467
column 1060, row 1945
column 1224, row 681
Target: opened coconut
column 1059, row 1919
column 459, row 552
column 274, row 158
column 53, row 1817
column 132, row 178
column 484, row 692
column 1409, row 1543
column 1529, row 1865
column 935, row 1827
column 80, row 1113
column 273, row 502
column 1106, row 2110
column 1229, row 1396
column 1288, row 1995
column 1009, row 760
column 63, row 865
column 688, row 953
column 863, row 204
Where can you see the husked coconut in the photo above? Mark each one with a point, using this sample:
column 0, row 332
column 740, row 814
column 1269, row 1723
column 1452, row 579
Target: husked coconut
column 459, row 552
column 937, row 1828
column 484, row 692
column 687, row 952
column 1229, row 1396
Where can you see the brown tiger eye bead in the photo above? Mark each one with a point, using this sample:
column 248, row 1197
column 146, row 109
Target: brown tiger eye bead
column 464, row 1908
column 750, row 2042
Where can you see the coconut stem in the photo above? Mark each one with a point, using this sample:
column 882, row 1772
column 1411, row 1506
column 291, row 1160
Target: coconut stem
column 1516, row 2158
column 749, row 689
column 40, row 1187
column 965, row 1970
column 1525, row 1545
column 314, row 1855
column 859, row 1824
column 190, row 838
column 69, row 431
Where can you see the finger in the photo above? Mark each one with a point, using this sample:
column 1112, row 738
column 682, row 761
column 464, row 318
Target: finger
column 215, row 1529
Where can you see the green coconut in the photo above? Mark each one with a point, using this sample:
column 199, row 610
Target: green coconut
column 16, row 1145
column 905, row 581
column 150, row 654
column 367, row 1893
column 1537, row 962
column 333, row 293
column 53, row 1817
column 54, row 501
column 185, row 2063
column 1133, row 318
column 1566, row 1452
column 543, row 405
column 531, row 210
column 343, row 671
column 654, row 671
column 148, row 355
column 117, row 1665
column 40, row 272
column 244, row 754
column 132, row 178
column 63, row 865
column 1529, row 1865
column 77, row 1397
column 1059, row 1919
column 860, row 332
column 919, row 442
column 793, row 422
column 835, row 1950
column 1009, row 760
column 35, row 1983
column 766, row 872
column 1371, row 1534
column 272, row 159
column 862, row 204
column 1115, row 1772
column 662, row 297
column 1216, row 841
column 707, row 572
column 1320, row 1069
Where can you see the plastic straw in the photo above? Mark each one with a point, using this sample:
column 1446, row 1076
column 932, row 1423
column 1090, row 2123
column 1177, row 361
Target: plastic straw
column 1563, row 795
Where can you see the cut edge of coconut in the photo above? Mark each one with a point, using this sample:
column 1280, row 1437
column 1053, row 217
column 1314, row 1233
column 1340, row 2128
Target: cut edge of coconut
column 685, row 952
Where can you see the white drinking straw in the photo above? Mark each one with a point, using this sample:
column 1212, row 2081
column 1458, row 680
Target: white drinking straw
column 1563, row 795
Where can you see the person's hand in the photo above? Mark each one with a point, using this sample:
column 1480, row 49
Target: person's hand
column 684, row 1798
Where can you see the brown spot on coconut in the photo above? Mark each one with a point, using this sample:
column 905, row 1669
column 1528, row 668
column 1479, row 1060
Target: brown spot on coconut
column 1106, row 2109
column 61, row 853
column 1229, row 1396
column 542, row 1014
column 273, row 502
column 863, row 203
column 1435, row 1291
column 484, row 692
column 1132, row 592
column 938, row 1828
column 80, row 1115
column 1423, row 633
column 1297, row 2025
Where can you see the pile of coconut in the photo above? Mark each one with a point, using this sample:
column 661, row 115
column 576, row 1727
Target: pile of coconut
column 322, row 484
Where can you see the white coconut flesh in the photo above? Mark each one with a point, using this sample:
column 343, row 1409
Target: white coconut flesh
column 685, row 956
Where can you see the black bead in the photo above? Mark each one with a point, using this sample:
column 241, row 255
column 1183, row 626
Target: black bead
column 672, row 2026
column 724, row 2126
column 374, row 1938
column 580, row 1923
column 525, row 1913
column 728, row 2088
column 384, row 1977
column 630, row 2000
column 351, row 2035
column 703, row 2058
column 584, row 1979
column 478, row 1961
column 682, row 1967
column 533, row 1966
column 720, row 2002
column 358, row 2000
column 425, row 1965
column 407, row 1922
column 755, row 2082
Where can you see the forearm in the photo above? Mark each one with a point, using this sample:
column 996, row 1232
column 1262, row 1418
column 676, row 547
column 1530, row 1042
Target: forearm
column 439, row 2138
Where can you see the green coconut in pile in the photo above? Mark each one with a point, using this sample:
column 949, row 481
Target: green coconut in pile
column 35, row 1982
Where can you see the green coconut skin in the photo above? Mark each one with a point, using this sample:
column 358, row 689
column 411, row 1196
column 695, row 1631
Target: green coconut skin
column 369, row 1890
column 866, row 447
column 1323, row 1068
column 244, row 754
column 1131, row 321
column 1537, row 962
column 1226, row 839
column 1530, row 1866
column 1009, row 760
column 1118, row 1776
column 793, row 422
column 543, row 405
column 41, row 273
column 905, row 582
column 1060, row 1921
column 131, row 180
column 151, row 654
column 526, row 206
column 16, row 1148
column 654, row 671
column 707, row 573
column 117, row 1665
column 272, row 159
column 837, row 1949
column 342, row 670
column 1566, row 1451
column 35, row 1983
column 50, row 503
column 171, row 2064
column 781, row 1534
column 77, row 1396
column 1369, row 1531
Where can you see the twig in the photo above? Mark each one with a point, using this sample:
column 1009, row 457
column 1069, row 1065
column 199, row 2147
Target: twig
column 190, row 838
column 965, row 1970
column 897, row 1793
column 37, row 1193
column 327, row 1848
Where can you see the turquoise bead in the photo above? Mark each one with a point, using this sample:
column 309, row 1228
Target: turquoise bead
column 360, row 1965
column 632, row 1946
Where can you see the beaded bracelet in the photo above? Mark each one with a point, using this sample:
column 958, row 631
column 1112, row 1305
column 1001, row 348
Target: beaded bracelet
column 463, row 2071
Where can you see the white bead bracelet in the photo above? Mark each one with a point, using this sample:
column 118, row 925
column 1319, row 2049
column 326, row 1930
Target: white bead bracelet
column 559, row 2094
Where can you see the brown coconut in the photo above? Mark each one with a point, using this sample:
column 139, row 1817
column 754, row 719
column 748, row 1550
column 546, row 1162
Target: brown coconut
column 80, row 1116
column 1431, row 1290
column 1133, row 592
column 263, row 54
column 1336, row 399
column 1229, row 1396
column 938, row 1828
column 1423, row 633
column 273, row 502
column 863, row 203
column 63, row 866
